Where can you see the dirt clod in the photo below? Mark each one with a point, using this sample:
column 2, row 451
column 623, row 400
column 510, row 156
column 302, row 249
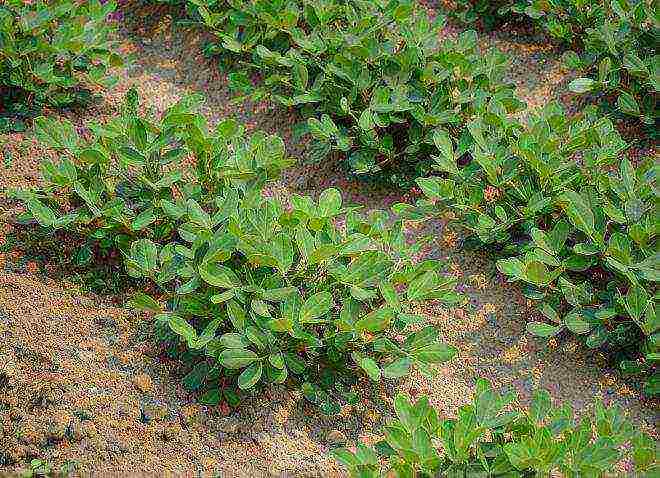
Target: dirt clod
column 143, row 383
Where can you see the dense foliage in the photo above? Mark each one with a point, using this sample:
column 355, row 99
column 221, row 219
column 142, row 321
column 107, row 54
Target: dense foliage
column 576, row 223
column 115, row 185
column 619, row 58
column 252, row 289
column 51, row 49
column 615, row 44
column 373, row 78
column 489, row 438
column 483, row 13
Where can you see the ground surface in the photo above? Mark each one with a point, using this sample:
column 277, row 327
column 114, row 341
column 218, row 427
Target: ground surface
column 82, row 381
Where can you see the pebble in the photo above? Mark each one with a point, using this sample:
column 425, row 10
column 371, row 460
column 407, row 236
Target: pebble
column 336, row 437
column 171, row 431
column 229, row 425
column 143, row 383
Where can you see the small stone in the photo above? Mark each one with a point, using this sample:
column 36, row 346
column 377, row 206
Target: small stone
column 228, row 425
column 143, row 383
column 171, row 431
column 58, row 427
column 157, row 412
column 336, row 437
column 88, row 429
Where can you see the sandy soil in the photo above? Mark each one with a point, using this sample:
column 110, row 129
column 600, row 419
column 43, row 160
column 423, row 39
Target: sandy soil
column 82, row 381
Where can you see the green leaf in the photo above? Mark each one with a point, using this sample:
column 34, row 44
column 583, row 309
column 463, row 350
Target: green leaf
column 300, row 75
column 541, row 329
column 390, row 295
column 628, row 104
column 131, row 157
column 576, row 324
column 278, row 295
column 211, row 398
column 537, row 273
column 581, row 85
column 57, row 133
column 322, row 253
column 236, row 358
column 397, row 369
column 636, row 302
column 329, row 203
column 181, row 327
column 315, row 306
column 422, row 285
column 447, row 160
column 144, row 255
column 218, row 275
column 143, row 219
column 366, row 120
column 44, row 215
column 368, row 365
column 281, row 249
column 436, row 188
column 512, row 267
column 250, row 376
column 232, row 341
column 141, row 301
column 434, row 353
column 198, row 215
column 236, row 315
column 376, row 320
column 578, row 211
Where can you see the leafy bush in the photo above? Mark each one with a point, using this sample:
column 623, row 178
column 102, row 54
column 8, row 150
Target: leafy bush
column 123, row 183
column 619, row 58
column 372, row 77
column 615, row 44
column 261, row 291
column 577, row 224
column 484, row 13
column 252, row 289
column 50, row 49
column 488, row 438
column 564, row 20
column 110, row 187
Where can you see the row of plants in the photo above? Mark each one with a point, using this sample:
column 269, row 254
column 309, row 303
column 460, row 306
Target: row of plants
column 571, row 220
column 51, row 53
column 506, row 181
column 489, row 437
column 253, row 290
column 250, row 288
column 372, row 79
column 575, row 224
column 613, row 44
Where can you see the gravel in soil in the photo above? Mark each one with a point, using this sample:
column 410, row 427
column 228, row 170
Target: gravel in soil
column 82, row 381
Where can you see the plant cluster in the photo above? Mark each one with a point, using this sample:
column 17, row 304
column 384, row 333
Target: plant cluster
column 615, row 44
column 373, row 78
column 485, row 14
column 489, row 438
column 619, row 59
column 250, row 288
column 51, row 49
column 576, row 223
